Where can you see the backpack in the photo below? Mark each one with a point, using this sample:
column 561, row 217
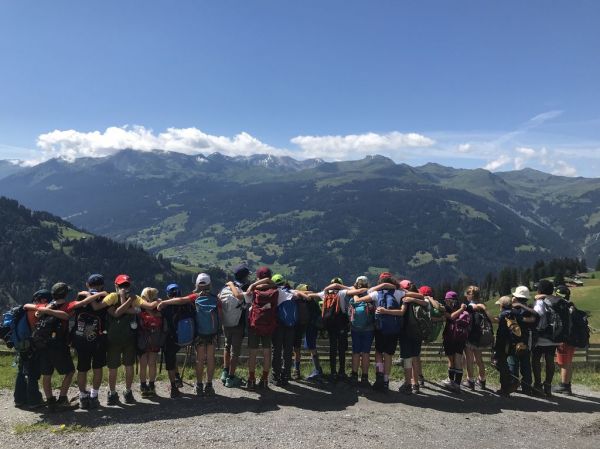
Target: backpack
column 232, row 317
column 458, row 330
column 361, row 315
column 517, row 338
column 303, row 311
column 418, row 322
column 151, row 333
column 263, row 314
column 87, row 329
column 579, row 334
column 47, row 329
column 557, row 321
column 481, row 333
column 207, row 315
column 331, row 312
column 119, row 329
column 287, row 313
column 15, row 329
column 185, row 325
column 436, row 326
column 388, row 324
column 315, row 314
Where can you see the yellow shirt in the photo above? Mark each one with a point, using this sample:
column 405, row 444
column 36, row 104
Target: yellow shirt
column 113, row 299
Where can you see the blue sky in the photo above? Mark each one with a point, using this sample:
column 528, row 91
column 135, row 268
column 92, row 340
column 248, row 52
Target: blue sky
column 501, row 85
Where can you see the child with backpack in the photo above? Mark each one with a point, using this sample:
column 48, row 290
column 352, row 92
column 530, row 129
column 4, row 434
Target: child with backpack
column 88, row 338
column 509, row 330
column 206, row 326
column 283, row 337
column 233, row 310
column 551, row 330
column 49, row 338
column 150, row 338
column 437, row 323
column 520, row 361
column 456, row 331
column 304, row 317
column 362, row 328
column 481, row 335
column 19, row 324
column 313, row 327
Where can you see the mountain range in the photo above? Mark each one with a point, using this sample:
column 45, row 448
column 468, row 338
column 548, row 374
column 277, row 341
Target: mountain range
column 313, row 220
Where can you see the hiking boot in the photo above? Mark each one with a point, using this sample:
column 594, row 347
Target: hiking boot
column 199, row 389
column 470, row 384
column 62, row 404
column 178, row 381
column 547, row 390
column 112, row 398
column 296, row 375
column 386, row 385
column 503, row 393
column 315, row 375
column 364, row 382
column 233, row 382
column 416, row 389
column 405, row 389
column 563, row 389
column 378, row 384
column 481, row 383
column 224, row 375
column 275, row 377
column 151, row 391
column 538, row 389
column 94, row 402
column 51, row 404
column 128, row 396
column 353, row 379
column 175, row 393
column 251, row 385
column 145, row 391
column 526, row 389
column 209, row 391
column 84, row 402
column 421, row 380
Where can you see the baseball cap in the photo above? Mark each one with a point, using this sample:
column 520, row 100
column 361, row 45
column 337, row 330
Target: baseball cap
column 203, row 278
column 522, row 292
column 241, row 272
column 451, row 295
column 504, row 301
column 302, row 287
column 563, row 291
column 278, row 279
column 405, row 284
column 362, row 280
column 95, row 279
column 337, row 281
column 122, row 279
column 425, row 290
column 43, row 293
column 60, row 290
column 263, row 272
column 173, row 288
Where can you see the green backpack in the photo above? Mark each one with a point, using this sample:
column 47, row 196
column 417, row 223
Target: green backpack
column 120, row 329
column 436, row 326
column 418, row 322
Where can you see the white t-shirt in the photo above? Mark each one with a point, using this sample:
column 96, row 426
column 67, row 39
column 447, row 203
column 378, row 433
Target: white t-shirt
column 343, row 298
column 281, row 296
column 540, row 309
column 398, row 295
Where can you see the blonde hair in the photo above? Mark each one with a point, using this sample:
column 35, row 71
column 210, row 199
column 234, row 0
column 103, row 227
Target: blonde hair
column 150, row 294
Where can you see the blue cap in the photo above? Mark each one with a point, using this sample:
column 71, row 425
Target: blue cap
column 172, row 287
column 42, row 294
column 96, row 279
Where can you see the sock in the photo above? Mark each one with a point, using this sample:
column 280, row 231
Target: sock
column 83, row 394
column 94, row 393
column 386, row 378
column 297, row 366
column 458, row 376
column 251, row 375
column 379, row 367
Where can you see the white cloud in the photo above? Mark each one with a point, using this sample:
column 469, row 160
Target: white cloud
column 562, row 168
column 465, row 148
column 356, row 145
column 502, row 160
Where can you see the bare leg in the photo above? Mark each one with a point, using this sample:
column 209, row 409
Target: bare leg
column 210, row 363
column 66, row 383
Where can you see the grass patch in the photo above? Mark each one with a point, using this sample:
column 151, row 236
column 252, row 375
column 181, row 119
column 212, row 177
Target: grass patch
column 21, row 429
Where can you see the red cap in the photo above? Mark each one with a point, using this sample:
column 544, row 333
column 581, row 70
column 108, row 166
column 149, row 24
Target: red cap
column 425, row 290
column 405, row 284
column 122, row 279
column 385, row 274
column 263, row 272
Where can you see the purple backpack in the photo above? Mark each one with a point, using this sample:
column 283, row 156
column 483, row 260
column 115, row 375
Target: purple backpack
column 460, row 327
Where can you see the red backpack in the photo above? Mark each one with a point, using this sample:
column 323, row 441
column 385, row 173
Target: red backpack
column 151, row 335
column 332, row 314
column 263, row 314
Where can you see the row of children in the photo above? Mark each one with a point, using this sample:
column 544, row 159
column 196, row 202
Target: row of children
column 118, row 328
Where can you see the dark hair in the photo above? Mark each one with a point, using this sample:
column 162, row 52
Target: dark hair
column 388, row 280
column 545, row 287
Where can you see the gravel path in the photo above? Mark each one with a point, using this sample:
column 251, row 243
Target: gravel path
column 328, row 417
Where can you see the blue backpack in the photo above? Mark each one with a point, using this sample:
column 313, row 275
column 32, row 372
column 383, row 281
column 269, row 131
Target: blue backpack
column 388, row 324
column 361, row 315
column 287, row 313
column 207, row 315
column 16, row 330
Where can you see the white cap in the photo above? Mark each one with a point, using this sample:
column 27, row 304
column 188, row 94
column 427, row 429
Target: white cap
column 362, row 279
column 522, row 292
column 203, row 278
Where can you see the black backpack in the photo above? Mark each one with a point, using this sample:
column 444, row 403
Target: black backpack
column 482, row 332
column 558, row 321
column 579, row 329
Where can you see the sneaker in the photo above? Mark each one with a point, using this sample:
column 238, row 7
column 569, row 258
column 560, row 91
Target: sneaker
column 447, row 384
column 364, row 382
column 151, row 391
column 145, row 391
column 251, row 385
column 353, row 379
column 456, row 387
column 538, row 389
column 296, row 375
column 378, row 384
column 224, row 375
column 386, row 385
column 178, row 381
column 421, row 380
column 94, row 402
column 62, row 403
column 263, row 384
column 199, row 389
column 503, row 393
column 84, row 402
column 233, row 382
column 51, row 404
column 342, row 376
column 315, row 375
column 481, row 383
column 405, row 389
column 209, row 390
column 112, row 398
column 275, row 377
column 282, row 382
column 547, row 390
column 469, row 383
column 416, row 389
column 128, row 396
column 563, row 389
column 175, row 393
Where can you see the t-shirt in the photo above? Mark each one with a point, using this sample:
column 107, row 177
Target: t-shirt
column 113, row 299
column 343, row 297
column 282, row 296
column 64, row 307
column 232, row 308
column 540, row 309
column 398, row 295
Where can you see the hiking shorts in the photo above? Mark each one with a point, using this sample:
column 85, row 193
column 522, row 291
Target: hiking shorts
column 564, row 354
column 254, row 341
column 233, row 340
column 310, row 338
column 205, row 340
column 299, row 332
column 452, row 347
column 170, row 350
column 56, row 358
column 91, row 357
column 361, row 341
column 122, row 353
column 409, row 347
column 385, row 344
